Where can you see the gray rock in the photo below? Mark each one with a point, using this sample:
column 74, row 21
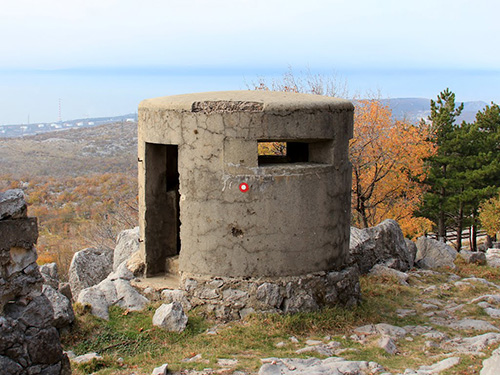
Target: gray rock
column 113, row 290
column 434, row 254
column 390, row 330
column 440, row 366
column 493, row 260
column 381, row 270
column 94, row 297
column 37, row 313
column 128, row 297
column 9, row 366
column 43, row 345
column 473, row 344
column 20, row 259
column 479, row 325
column 494, row 313
column 412, row 250
column 269, row 294
column 162, row 370
column 170, row 317
column 491, row 366
column 382, row 244
column 388, row 345
column 63, row 311
column 474, row 257
column 299, row 301
column 235, row 296
column 122, row 272
column 176, row 295
column 310, row 366
column 65, row 290
column 12, row 204
column 88, row 268
column 127, row 243
column 86, row 358
column 49, row 274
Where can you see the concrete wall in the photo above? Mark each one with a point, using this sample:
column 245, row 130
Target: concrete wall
column 295, row 217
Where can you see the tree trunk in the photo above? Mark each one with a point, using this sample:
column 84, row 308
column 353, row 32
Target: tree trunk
column 474, row 231
column 460, row 223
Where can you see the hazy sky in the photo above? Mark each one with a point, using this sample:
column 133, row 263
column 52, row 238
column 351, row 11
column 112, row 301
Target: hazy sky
column 244, row 38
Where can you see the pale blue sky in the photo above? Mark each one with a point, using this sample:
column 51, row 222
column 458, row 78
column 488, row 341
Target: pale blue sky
column 101, row 57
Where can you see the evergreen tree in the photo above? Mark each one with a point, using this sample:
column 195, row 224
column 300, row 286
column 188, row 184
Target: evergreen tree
column 437, row 201
column 479, row 168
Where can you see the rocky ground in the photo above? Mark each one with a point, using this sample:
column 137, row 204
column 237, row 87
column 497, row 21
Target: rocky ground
column 430, row 322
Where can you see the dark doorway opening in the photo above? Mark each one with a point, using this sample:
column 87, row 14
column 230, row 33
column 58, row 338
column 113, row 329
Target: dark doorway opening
column 162, row 219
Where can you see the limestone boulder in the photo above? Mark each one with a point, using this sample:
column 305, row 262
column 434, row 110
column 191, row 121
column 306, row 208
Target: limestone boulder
column 50, row 275
column 493, row 257
column 88, row 268
column 434, row 254
column 63, row 310
column 474, row 257
column 12, row 204
column 114, row 290
column 382, row 244
column 127, row 243
column 170, row 317
column 412, row 249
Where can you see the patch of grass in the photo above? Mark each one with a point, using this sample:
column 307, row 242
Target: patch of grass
column 485, row 272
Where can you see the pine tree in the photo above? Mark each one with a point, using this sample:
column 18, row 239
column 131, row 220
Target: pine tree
column 437, row 201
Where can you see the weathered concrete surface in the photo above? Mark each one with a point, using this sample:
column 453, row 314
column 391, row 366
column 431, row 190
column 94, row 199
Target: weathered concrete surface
column 294, row 218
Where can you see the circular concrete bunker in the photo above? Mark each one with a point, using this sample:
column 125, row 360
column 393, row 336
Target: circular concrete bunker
column 251, row 190
column 209, row 193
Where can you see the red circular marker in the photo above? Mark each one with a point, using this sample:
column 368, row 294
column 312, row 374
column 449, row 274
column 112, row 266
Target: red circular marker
column 244, row 187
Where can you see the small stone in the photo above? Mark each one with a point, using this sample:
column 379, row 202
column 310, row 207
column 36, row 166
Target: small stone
column 294, row 339
column 279, row 344
column 313, row 342
column 227, row 362
column 86, row 358
column 429, row 306
column 170, row 317
column 388, row 345
column 162, row 370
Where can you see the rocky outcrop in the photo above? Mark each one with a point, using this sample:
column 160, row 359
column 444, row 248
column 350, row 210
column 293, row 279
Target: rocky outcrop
column 29, row 342
column 113, row 290
column 88, row 268
column 127, row 243
column 434, row 254
column 382, row 244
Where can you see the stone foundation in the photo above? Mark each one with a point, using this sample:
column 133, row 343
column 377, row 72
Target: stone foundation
column 233, row 298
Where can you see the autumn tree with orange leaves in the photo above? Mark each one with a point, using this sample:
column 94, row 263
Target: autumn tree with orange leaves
column 388, row 168
column 387, row 156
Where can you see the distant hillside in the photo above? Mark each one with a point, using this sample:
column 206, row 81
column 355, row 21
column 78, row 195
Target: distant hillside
column 414, row 109
column 110, row 148
column 22, row 130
